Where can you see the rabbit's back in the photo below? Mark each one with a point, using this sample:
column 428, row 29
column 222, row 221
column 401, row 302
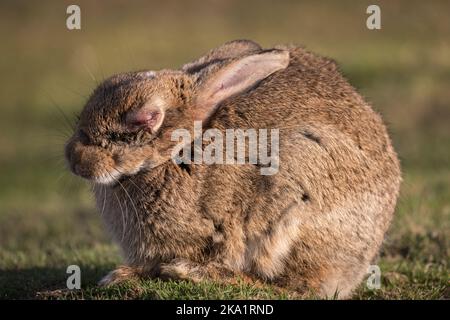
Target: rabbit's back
column 328, row 133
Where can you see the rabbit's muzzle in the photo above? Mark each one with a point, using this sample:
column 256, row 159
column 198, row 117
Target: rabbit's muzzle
column 91, row 162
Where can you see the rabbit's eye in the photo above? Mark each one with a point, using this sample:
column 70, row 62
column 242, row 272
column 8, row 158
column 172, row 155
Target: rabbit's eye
column 123, row 137
column 139, row 137
column 114, row 136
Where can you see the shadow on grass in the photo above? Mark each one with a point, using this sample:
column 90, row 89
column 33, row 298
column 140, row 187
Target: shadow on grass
column 26, row 283
column 50, row 284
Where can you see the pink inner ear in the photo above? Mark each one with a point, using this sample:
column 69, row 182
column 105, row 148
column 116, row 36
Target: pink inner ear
column 143, row 119
column 235, row 78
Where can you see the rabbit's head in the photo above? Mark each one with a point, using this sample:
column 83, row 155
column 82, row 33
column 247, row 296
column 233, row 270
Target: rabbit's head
column 127, row 123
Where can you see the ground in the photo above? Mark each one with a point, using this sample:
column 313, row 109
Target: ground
column 47, row 217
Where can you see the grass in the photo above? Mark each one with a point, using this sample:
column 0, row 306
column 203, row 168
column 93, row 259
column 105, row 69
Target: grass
column 158, row 289
column 47, row 217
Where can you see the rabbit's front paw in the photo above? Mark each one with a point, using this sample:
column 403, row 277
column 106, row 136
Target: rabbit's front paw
column 118, row 276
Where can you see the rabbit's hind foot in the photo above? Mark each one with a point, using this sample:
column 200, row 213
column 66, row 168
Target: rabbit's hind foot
column 120, row 275
column 181, row 269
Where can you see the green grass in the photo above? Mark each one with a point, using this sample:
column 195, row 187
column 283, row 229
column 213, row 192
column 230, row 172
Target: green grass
column 47, row 217
column 158, row 289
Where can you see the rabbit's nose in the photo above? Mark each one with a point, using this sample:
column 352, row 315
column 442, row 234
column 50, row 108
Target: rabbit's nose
column 90, row 162
column 83, row 164
column 83, row 171
column 82, row 160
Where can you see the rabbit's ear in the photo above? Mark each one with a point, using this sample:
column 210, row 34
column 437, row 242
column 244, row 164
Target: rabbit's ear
column 228, row 50
column 236, row 77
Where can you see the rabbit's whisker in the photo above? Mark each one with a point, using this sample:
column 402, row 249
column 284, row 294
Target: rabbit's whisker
column 122, row 215
column 133, row 204
column 118, row 170
column 104, row 201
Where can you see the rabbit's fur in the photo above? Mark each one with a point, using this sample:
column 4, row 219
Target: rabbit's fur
column 315, row 226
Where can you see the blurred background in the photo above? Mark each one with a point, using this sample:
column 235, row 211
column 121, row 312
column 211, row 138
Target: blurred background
column 47, row 217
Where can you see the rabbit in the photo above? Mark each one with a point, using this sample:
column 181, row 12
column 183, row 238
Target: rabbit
column 314, row 227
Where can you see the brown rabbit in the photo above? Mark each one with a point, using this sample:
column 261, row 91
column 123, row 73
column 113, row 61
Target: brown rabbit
column 314, row 226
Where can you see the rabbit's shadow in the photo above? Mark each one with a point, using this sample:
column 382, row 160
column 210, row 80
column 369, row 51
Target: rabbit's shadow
column 26, row 283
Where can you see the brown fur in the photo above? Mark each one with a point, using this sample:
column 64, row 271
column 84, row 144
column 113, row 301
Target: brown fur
column 314, row 226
